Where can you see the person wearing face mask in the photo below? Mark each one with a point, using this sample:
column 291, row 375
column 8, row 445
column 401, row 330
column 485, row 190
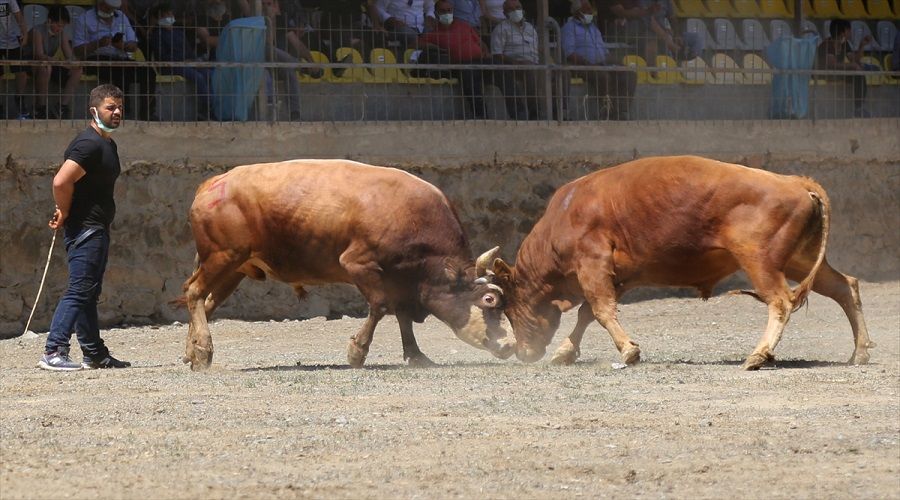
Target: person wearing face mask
column 83, row 190
column 835, row 53
column 210, row 27
column 515, row 41
column 404, row 20
column 13, row 41
column 455, row 42
column 168, row 42
column 104, row 33
column 46, row 40
column 583, row 45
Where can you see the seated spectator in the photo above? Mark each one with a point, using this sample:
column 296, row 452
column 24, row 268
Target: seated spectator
column 104, row 33
column 492, row 12
column 169, row 43
column 456, row 42
column 583, row 45
column 515, row 41
column 46, row 40
column 272, row 10
column 290, row 31
column 835, row 53
column 215, row 16
column 13, row 39
column 404, row 20
column 651, row 26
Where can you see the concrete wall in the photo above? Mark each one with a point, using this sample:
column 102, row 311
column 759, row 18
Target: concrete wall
column 499, row 175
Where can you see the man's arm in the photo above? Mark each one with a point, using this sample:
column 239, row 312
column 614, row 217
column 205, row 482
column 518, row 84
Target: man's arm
column 63, row 188
column 23, row 28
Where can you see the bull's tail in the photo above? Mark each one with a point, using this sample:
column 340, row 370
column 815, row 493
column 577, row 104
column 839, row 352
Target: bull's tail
column 180, row 302
column 822, row 210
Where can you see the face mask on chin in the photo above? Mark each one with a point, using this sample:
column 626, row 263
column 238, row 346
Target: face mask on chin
column 105, row 15
column 104, row 127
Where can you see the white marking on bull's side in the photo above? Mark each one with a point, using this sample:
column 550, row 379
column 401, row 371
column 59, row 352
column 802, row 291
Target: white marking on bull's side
column 474, row 332
column 568, row 199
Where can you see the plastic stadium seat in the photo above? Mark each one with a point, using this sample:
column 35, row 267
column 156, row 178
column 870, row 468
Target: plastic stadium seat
column 726, row 36
column 722, row 61
column 407, row 59
column 747, row 8
column 720, row 8
column 75, row 11
column 754, row 35
column 666, row 77
column 691, row 8
column 888, row 79
column 873, row 79
column 317, row 57
column 854, row 9
column 773, row 9
column 779, row 28
column 805, row 7
column 810, row 27
column 886, row 31
column 694, row 25
column 385, row 75
column 34, row 15
column 752, row 62
column 354, row 74
column 637, row 62
column 858, row 30
column 827, row 9
column 699, row 73
column 880, row 9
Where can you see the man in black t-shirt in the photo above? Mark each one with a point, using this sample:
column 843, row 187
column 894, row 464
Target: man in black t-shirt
column 85, row 208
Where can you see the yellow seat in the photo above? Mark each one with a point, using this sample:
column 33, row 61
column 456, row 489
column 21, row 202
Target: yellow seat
column 320, row 58
column 637, row 62
column 720, row 8
column 746, row 8
column 385, row 75
column 774, row 9
column 354, row 74
column 854, row 9
column 728, row 73
column 888, row 79
column 875, row 79
column 407, row 59
column 826, row 9
column 664, row 77
column 699, row 72
column 754, row 62
column 691, row 8
column 880, row 9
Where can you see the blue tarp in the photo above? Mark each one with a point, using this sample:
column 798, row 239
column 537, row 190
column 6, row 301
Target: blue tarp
column 790, row 92
column 234, row 89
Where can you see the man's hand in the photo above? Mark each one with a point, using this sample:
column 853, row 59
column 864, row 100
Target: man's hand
column 58, row 219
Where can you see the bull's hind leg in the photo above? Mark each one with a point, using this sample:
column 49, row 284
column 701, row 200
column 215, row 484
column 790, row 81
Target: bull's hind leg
column 213, row 277
column 570, row 350
column 366, row 275
column 411, row 352
column 772, row 289
column 844, row 290
column 358, row 348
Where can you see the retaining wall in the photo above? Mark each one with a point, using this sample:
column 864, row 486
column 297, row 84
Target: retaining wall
column 498, row 174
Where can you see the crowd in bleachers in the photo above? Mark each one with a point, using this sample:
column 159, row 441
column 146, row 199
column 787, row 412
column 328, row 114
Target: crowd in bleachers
column 611, row 47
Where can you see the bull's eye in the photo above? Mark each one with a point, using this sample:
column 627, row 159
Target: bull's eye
column 489, row 299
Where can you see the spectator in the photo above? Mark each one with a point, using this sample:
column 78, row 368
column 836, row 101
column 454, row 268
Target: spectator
column 272, row 11
column 583, row 45
column 46, row 40
column 515, row 41
column 169, row 43
column 104, row 33
column 457, row 42
column 468, row 11
column 83, row 190
column 404, row 20
column 835, row 53
column 210, row 26
column 13, row 39
column 492, row 12
column 290, row 30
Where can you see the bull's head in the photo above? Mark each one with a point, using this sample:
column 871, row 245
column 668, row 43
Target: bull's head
column 533, row 322
column 473, row 308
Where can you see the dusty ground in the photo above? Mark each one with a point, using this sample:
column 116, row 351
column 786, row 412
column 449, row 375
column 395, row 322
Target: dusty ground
column 280, row 414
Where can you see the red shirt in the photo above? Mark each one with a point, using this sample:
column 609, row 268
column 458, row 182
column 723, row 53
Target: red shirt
column 461, row 41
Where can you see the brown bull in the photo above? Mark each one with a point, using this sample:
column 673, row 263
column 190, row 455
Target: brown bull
column 309, row 222
column 674, row 221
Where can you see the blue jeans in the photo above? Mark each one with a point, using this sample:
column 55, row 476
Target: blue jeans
column 87, row 249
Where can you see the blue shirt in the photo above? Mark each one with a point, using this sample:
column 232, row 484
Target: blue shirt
column 468, row 11
column 586, row 41
column 89, row 28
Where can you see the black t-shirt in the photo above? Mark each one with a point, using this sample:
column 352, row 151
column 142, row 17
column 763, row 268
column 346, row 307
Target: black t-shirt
column 92, row 202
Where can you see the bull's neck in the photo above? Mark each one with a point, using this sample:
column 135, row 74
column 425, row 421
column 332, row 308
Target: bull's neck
column 536, row 277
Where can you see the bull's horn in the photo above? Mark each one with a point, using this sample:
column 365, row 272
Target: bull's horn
column 481, row 281
column 481, row 265
column 495, row 287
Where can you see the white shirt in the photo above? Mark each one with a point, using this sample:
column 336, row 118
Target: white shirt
column 411, row 12
column 9, row 27
column 515, row 40
column 494, row 9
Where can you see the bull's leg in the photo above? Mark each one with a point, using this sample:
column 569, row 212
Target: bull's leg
column 772, row 288
column 366, row 275
column 411, row 352
column 570, row 349
column 595, row 277
column 844, row 290
column 211, row 279
column 222, row 291
column 358, row 348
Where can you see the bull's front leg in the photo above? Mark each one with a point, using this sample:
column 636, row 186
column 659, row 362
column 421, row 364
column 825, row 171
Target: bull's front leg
column 570, row 350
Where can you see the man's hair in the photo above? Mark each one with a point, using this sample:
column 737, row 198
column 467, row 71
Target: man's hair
column 101, row 92
column 57, row 13
column 159, row 8
column 837, row 27
column 576, row 6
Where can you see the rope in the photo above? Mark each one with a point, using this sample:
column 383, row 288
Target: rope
column 41, row 288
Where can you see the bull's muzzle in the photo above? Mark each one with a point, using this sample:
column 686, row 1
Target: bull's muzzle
column 529, row 354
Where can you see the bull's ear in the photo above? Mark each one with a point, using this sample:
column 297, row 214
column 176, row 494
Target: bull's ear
column 502, row 269
column 451, row 272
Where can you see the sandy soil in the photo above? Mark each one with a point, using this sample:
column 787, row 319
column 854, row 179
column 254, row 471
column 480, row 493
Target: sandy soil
column 281, row 414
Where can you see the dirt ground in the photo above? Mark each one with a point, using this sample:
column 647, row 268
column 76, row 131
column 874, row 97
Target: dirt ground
column 281, row 415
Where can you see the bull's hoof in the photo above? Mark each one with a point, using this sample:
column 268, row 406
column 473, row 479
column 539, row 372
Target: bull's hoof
column 631, row 355
column 420, row 361
column 356, row 356
column 565, row 355
column 201, row 360
column 756, row 361
column 859, row 358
